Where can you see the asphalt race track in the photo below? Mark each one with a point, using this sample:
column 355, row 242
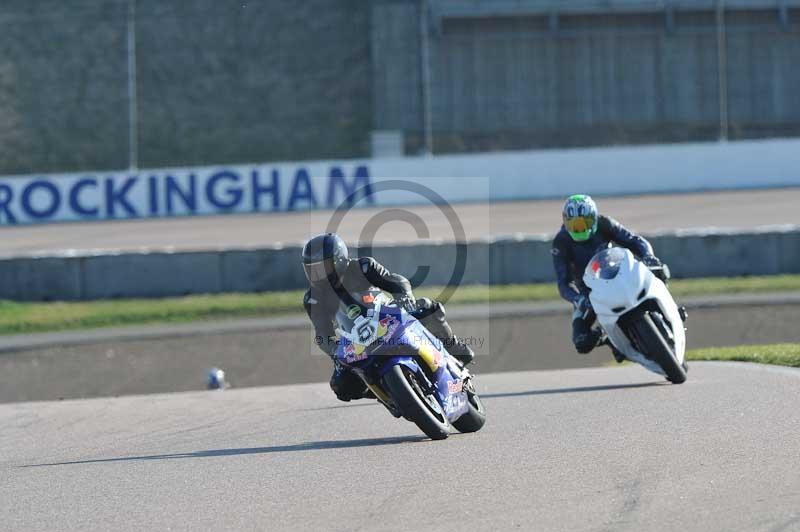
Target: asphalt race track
column 591, row 449
column 729, row 210
column 281, row 351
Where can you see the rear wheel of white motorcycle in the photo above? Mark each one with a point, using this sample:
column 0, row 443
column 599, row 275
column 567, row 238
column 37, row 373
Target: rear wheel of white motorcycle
column 415, row 405
column 653, row 343
column 475, row 418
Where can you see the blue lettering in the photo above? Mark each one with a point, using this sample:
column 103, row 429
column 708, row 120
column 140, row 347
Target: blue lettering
column 6, row 195
column 234, row 195
column 301, row 190
column 113, row 197
column 273, row 190
column 75, row 198
column 189, row 197
column 50, row 210
column 152, row 188
column 360, row 186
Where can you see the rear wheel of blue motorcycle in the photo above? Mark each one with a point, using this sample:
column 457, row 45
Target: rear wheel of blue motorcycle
column 475, row 418
column 415, row 405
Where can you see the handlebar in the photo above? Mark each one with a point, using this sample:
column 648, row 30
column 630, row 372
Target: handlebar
column 662, row 272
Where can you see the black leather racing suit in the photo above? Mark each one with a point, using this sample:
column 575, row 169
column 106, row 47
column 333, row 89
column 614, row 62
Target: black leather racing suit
column 322, row 302
column 570, row 259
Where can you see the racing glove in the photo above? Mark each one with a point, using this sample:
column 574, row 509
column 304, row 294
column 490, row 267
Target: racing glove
column 651, row 261
column 406, row 302
column 659, row 269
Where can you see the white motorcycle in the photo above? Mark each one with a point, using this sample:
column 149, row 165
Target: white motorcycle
column 637, row 313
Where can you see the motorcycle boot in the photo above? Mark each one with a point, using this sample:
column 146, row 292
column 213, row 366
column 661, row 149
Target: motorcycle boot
column 348, row 386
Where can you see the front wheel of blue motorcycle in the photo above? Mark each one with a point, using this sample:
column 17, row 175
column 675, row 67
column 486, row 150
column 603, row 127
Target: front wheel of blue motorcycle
column 475, row 418
column 415, row 404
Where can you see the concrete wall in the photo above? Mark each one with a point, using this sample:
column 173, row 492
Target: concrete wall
column 217, row 81
column 63, row 84
column 162, row 274
column 251, row 81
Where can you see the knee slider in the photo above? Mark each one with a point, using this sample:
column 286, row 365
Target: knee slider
column 583, row 344
column 583, row 349
column 340, row 391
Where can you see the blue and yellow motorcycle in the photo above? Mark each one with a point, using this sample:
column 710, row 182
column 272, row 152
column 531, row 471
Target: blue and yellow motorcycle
column 407, row 368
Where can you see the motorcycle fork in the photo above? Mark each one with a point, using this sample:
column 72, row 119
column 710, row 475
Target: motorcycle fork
column 379, row 393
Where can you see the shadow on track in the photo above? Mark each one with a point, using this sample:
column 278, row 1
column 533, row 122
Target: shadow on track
column 366, row 402
column 580, row 389
column 310, row 446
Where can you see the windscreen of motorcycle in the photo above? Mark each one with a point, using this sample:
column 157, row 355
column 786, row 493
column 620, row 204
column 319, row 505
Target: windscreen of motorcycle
column 606, row 264
column 363, row 301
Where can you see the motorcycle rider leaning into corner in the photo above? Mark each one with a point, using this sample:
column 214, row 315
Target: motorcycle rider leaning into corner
column 583, row 234
column 333, row 276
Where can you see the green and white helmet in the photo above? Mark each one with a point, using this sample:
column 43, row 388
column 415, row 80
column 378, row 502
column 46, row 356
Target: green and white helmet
column 580, row 217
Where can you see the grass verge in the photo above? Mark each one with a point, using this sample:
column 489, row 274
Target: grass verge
column 18, row 318
column 778, row 354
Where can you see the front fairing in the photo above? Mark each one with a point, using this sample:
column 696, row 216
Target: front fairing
column 391, row 324
column 617, row 283
column 408, row 343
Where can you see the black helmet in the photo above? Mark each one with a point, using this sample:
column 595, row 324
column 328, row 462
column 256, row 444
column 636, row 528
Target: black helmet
column 323, row 256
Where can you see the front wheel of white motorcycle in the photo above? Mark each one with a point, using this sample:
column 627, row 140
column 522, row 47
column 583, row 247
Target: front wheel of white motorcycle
column 653, row 344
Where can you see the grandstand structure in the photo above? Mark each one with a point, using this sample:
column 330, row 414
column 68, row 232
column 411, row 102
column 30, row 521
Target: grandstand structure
column 150, row 84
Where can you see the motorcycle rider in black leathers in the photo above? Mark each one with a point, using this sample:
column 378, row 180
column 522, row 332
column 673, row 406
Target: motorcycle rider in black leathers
column 583, row 234
column 333, row 276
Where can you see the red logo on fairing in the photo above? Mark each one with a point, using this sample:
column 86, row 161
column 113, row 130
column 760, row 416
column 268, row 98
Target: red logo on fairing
column 455, row 386
column 595, row 266
column 391, row 324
